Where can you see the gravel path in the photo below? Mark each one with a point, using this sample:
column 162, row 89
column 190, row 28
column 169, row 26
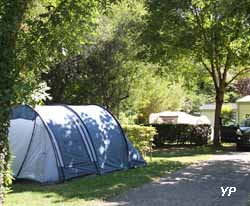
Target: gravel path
column 196, row 185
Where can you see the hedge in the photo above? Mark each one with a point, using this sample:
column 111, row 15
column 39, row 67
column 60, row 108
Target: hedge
column 181, row 134
column 141, row 137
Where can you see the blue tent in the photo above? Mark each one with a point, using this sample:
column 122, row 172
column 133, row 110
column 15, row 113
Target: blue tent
column 56, row 143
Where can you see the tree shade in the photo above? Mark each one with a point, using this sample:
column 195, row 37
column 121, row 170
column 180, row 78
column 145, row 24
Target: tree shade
column 61, row 142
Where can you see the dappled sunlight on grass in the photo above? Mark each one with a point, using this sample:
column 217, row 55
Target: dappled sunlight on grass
column 89, row 188
column 92, row 190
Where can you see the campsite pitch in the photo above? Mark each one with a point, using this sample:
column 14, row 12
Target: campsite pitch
column 92, row 190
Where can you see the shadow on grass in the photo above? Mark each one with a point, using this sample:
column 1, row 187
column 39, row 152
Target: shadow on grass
column 100, row 187
column 109, row 185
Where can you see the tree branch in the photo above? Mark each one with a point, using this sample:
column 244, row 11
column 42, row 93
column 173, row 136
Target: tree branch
column 213, row 74
column 211, row 71
column 227, row 64
column 215, row 50
column 199, row 22
column 124, row 97
column 243, row 71
column 206, row 67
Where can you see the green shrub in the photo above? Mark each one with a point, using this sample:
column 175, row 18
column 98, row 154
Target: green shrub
column 227, row 117
column 181, row 134
column 5, row 171
column 141, row 137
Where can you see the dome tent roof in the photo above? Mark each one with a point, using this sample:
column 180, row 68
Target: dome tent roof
column 76, row 140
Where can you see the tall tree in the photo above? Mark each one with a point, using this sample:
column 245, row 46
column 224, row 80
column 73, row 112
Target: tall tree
column 31, row 39
column 11, row 16
column 214, row 32
column 53, row 32
column 103, row 72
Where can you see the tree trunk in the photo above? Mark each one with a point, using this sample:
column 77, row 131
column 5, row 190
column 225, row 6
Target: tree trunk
column 217, row 117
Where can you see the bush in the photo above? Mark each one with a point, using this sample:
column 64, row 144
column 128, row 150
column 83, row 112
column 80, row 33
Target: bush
column 227, row 115
column 141, row 137
column 5, row 171
column 181, row 134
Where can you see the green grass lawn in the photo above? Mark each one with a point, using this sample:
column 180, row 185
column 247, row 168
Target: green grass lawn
column 92, row 190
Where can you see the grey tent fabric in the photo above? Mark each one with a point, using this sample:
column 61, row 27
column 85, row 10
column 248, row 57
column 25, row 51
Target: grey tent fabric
column 107, row 137
column 23, row 112
column 17, row 128
column 56, row 143
column 66, row 130
column 40, row 161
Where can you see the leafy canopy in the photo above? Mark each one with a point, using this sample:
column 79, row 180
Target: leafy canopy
column 216, row 33
column 51, row 32
column 103, row 71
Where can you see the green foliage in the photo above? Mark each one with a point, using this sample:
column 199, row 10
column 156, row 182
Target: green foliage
column 215, row 33
column 141, row 137
column 103, row 72
column 154, row 93
column 56, row 31
column 11, row 16
column 128, row 117
column 51, row 32
column 227, row 115
column 28, row 89
column 208, row 29
column 181, row 134
column 34, row 35
column 193, row 78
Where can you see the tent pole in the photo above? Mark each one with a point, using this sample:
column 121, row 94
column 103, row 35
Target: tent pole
column 95, row 161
